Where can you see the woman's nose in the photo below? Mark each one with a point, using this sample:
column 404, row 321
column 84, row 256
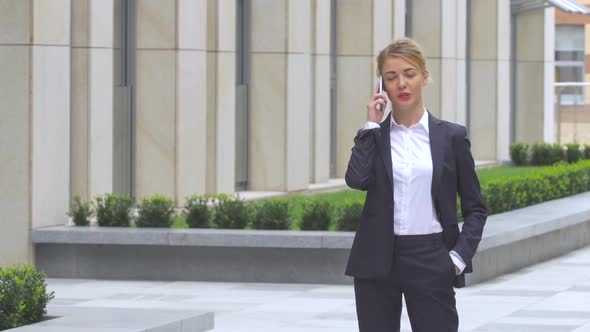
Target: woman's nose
column 402, row 83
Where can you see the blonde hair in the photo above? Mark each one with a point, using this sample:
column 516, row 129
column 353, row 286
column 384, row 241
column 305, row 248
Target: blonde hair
column 406, row 49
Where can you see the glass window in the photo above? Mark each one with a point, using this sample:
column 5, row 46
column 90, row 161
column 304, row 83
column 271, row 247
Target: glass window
column 569, row 61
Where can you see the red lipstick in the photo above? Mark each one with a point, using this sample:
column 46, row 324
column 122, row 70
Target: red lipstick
column 404, row 95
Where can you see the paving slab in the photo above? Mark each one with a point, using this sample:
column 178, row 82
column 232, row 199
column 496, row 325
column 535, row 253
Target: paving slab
column 550, row 296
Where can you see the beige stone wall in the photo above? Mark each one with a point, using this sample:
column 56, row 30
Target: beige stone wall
column 440, row 28
column 280, row 95
column 535, row 76
column 360, row 37
column 320, row 141
column 92, row 100
column 35, row 130
column 185, row 124
column 490, row 89
column 15, row 58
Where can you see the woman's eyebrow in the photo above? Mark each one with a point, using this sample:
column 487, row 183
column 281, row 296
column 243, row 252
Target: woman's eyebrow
column 393, row 72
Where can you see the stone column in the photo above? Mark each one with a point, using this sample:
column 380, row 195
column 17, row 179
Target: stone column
column 92, row 98
column 320, row 144
column 439, row 27
column 155, row 110
column 185, row 109
column 220, row 96
column 399, row 19
column 280, row 95
column 535, row 33
column 191, row 122
column 356, row 76
column 35, row 126
column 490, row 80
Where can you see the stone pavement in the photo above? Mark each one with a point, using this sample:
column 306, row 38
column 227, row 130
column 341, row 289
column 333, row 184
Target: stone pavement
column 551, row 296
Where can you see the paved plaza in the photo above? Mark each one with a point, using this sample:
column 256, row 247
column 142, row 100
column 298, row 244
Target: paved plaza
column 552, row 296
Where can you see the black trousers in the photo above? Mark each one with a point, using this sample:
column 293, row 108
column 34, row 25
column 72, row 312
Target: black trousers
column 423, row 272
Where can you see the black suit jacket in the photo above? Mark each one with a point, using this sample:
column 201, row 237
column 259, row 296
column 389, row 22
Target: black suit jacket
column 370, row 169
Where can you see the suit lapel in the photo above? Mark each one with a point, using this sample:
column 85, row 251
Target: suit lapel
column 437, row 151
column 384, row 144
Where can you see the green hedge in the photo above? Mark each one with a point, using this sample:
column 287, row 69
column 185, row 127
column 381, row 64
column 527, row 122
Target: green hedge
column 543, row 154
column 549, row 183
column 23, row 296
column 318, row 212
column 519, row 154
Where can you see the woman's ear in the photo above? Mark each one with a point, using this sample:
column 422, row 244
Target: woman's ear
column 426, row 78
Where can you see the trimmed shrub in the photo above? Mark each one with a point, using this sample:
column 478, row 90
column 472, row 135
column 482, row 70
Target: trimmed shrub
column 557, row 153
column 348, row 216
column 196, row 211
column 515, row 192
column 573, row 153
column 272, row 214
column 80, row 212
column 586, row 151
column 317, row 215
column 540, row 154
column 543, row 154
column 231, row 212
column 155, row 211
column 519, row 153
column 23, row 296
column 113, row 210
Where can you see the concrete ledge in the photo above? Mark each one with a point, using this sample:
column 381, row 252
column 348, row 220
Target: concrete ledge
column 193, row 237
column 76, row 319
column 512, row 240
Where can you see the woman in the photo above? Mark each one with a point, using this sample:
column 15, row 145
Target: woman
column 412, row 166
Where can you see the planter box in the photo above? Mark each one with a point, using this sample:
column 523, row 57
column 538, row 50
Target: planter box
column 76, row 319
column 512, row 240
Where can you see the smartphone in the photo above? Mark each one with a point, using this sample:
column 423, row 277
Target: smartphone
column 380, row 90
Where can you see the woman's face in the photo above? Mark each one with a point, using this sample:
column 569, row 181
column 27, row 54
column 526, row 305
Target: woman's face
column 403, row 83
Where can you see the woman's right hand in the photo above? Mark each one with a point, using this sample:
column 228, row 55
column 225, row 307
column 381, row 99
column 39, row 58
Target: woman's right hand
column 373, row 114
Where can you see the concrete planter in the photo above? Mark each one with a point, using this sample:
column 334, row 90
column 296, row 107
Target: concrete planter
column 512, row 240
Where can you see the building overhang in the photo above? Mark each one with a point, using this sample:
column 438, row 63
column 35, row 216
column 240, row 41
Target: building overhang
column 569, row 6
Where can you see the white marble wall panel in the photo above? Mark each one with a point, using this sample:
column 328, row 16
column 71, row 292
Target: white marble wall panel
column 155, row 123
column 226, row 122
column 321, row 143
column 355, row 82
column 51, row 22
column 50, row 135
column 101, row 121
column 298, row 119
column 15, row 27
column 80, row 123
column 156, row 24
column 191, row 123
column 268, row 122
column 14, row 153
column 399, row 19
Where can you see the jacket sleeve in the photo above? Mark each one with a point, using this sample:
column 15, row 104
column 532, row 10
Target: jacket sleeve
column 472, row 207
column 359, row 173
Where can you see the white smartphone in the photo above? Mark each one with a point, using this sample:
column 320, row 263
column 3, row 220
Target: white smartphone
column 380, row 90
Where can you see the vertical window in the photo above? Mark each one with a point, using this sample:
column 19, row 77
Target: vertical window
column 569, row 61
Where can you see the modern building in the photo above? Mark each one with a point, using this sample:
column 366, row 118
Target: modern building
column 192, row 96
column 572, row 50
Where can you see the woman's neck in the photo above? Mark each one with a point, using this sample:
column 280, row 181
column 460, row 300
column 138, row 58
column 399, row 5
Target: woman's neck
column 408, row 118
